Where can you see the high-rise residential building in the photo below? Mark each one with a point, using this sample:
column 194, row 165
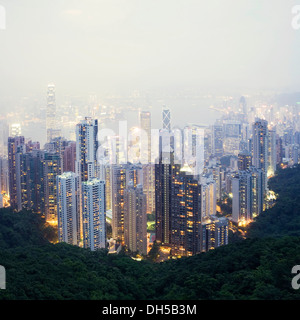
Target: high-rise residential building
column 257, row 194
column 260, row 148
column 217, row 140
column 4, row 134
column 145, row 125
column 86, row 149
column 272, row 155
column 135, row 219
column 208, row 196
column 213, row 233
column 214, row 169
column 166, row 117
column 149, row 186
column 68, row 208
column 165, row 173
column 185, row 214
column 193, row 148
column 4, row 181
column 118, row 185
column 13, row 144
column 50, row 112
column 148, row 167
column 108, row 188
column 241, row 198
column 243, row 109
column 52, row 169
column 247, row 195
column 69, row 157
column 244, row 160
column 93, row 214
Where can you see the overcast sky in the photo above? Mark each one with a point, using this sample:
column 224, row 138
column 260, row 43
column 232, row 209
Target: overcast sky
column 110, row 45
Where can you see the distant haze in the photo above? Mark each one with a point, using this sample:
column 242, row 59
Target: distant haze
column 119, row 45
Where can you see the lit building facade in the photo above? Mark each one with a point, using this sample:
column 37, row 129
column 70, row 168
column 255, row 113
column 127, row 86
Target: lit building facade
column 68, row 208
column 93, row 214
column 135, row 219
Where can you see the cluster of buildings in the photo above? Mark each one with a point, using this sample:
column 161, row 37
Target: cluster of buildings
column 181, row 175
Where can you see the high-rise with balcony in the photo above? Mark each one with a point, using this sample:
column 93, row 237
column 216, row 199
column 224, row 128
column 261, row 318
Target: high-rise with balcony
column 185, row 214
column 68, row 208
column 86, row 149
column 148, row 167
column 93, row 214
column 52, row 169
column 13, row 146
column 118, row 185
column 135, row 219
column 260, row 148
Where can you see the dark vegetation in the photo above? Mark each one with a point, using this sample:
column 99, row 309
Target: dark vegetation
column 255, row 268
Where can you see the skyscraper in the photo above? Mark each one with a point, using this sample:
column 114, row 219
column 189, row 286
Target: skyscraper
column 217, row 140
column 13, row 144
column 86, row 149
column 118, row 185
column 185, row 214
column 165, row 173
column 52, row 169
column 166, row 116
column 68, row 208
column 50, row 112
column 148, row 167
column 4, row 184
column 260, row 148
column 69, row 157
column 257, row 192
column 248, row 195
column 244, row 160
column 272, row 154
column 241, row 198
column 208, row 196
column 93, row 214
column 135, row 219
column 4, row 134
column 214, row 233
column 145, row 125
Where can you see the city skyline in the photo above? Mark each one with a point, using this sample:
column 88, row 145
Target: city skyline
column 136, row 131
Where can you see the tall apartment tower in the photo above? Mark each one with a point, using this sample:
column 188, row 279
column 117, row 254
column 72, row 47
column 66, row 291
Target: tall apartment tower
column 165, row 172
column 272, row 153
column 260, row 148
column 52, row 169
column 248, row 195
column 68, row 208
column 148, row 167
column 69, row 157
column 13, row 144
column 93, row 214
column 145, row 125
column 135, row 219
column 118, row 185
column 213, row 233
column 241, row 197
column 50, row 112
column 217, row 140
column 185, row 214
column 86, row 149
column 244, row 160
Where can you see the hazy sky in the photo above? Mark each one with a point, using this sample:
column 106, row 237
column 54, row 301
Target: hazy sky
column 110, row 45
